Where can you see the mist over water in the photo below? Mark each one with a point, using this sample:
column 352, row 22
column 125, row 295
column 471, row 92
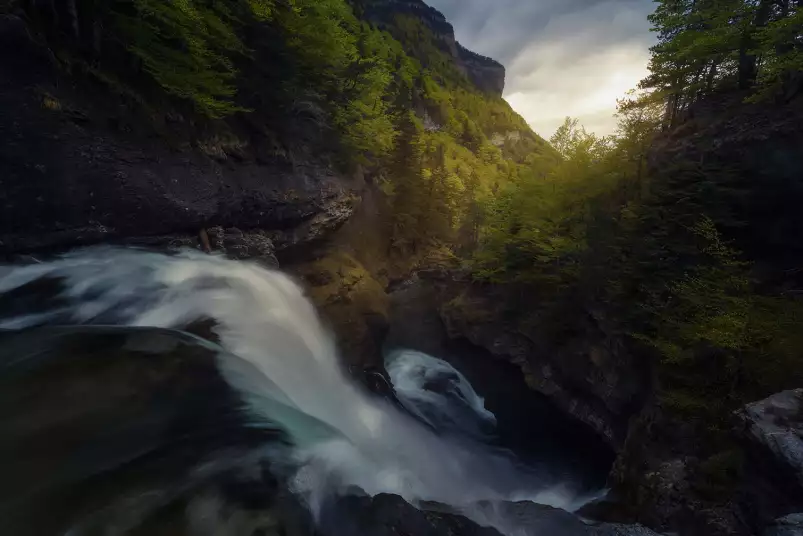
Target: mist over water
column 278, row 355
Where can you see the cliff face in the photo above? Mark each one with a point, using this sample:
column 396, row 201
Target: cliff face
column 590, row 375
column 79, row 167
column 486, row 74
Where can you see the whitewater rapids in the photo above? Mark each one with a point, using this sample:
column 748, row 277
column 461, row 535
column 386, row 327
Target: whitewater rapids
column 277, row 350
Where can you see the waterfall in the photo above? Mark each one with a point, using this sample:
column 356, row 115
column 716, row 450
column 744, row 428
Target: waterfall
column 277, row 349
column 437, row 394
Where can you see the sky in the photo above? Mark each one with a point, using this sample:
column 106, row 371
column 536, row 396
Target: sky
column 563, row 57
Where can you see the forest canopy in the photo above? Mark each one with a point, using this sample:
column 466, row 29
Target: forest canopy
column 677, row 255
column 709, row 46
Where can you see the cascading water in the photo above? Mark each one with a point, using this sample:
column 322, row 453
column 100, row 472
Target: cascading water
column 278, row 355
column 437, row 394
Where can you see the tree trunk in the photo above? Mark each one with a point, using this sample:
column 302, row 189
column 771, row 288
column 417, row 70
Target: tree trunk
column 748, row 71
column 747, row 62
column 639, row 186
column 71, row 22
column 697, row 91
column 712, row 73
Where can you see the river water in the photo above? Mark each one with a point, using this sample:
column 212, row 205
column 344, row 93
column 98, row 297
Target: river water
column 436, row 445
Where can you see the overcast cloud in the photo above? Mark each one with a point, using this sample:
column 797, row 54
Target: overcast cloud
column 563, row 57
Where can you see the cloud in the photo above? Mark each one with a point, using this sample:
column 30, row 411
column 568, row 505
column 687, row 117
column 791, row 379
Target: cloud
column 563, row 57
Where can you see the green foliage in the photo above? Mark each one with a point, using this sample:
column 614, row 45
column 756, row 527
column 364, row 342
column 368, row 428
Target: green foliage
column 537, row 226
column 709, row 45
column 348, row 66
column 718, row 476
column 593, row 227
column 391, row 96
column 708, row 306
column 187, row 47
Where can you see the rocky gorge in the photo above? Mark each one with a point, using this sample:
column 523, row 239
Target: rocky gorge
column 79, row 167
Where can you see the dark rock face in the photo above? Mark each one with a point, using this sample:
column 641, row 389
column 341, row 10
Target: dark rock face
column 755, row 150
column 651, row 476
column 658, row 473
column 591, row 376
column 239, row 245
column 487, row 74
column 78, row 168
column 232, row 242
column 526, row 421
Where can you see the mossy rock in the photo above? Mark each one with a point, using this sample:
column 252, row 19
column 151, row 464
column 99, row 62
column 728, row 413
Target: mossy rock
column 352, row 302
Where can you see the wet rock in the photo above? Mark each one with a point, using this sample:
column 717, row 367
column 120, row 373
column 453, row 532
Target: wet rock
column 531, row 519
column 526, row 420
column 589, row 373
column 791, row 525
column 104, row 427
column 774, row 426
column 239, row 245
column 771, row 432
column 390, row 515
column 352, row 302
column 329, row 219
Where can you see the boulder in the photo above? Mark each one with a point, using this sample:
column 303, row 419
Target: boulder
column 771, row 433
column 773, row 428
column 791, row 525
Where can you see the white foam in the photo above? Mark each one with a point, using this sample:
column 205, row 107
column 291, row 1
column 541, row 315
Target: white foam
column 265, row 320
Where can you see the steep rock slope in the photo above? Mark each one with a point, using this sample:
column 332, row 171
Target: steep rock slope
column 486, row 74
column 79, row 167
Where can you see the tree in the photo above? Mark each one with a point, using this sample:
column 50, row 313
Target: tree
column 708, row 45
